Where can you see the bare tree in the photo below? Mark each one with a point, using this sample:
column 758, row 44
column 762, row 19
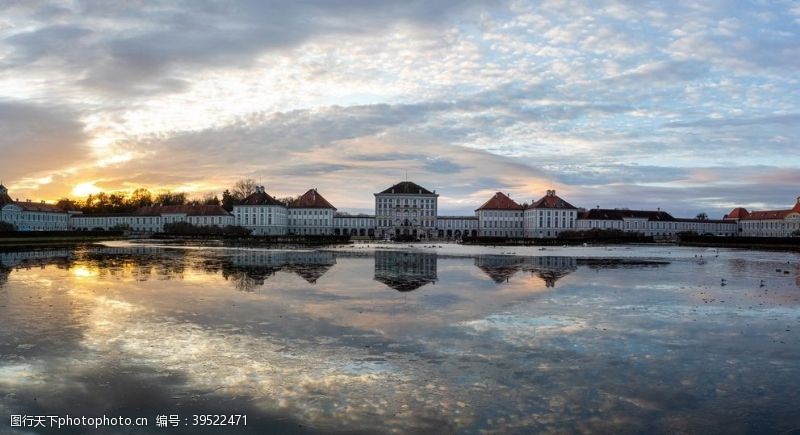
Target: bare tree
column 171, row 198
column 140, row 197
column 243, row 188
column 288, row 200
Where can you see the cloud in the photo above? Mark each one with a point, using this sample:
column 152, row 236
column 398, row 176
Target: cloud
column 35, row 137
column 790, row 119
column 619, row 101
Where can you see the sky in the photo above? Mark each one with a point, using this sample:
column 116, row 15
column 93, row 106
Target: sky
column 687, row 106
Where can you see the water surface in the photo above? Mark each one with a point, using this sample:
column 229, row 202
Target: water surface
column 403, row 341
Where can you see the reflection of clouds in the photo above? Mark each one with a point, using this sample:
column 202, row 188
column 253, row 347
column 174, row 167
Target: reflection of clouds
column 322, row 384
column 614, row 350
column 524, row 330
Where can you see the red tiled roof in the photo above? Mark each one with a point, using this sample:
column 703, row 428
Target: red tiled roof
column 311, row 199
column 737, row 213
column 261, row 197
column 500, row 201
column 741, row 213
column 408, row 188
column 768, row 214
column 551, row 200
column 38, row 206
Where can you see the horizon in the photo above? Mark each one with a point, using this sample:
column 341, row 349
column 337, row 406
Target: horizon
column 686, row 108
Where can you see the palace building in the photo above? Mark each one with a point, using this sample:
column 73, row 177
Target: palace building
column 34, row 216
column 768, row 223
column 500, row 216
column 311, row 214
column 549, row 216
column 404, row 209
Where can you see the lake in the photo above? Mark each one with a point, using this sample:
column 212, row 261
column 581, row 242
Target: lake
column 420, row 339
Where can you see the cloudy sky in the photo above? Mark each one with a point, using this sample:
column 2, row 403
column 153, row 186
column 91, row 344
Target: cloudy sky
column 684, row 106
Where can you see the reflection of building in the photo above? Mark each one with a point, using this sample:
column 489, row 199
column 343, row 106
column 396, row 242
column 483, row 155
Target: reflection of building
column 405, row 271
column 250, row 269
column 406, row 209
column 11, row 260
column 500, row 268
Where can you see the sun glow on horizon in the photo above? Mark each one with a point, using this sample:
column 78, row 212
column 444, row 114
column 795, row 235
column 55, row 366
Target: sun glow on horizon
column 84, row 189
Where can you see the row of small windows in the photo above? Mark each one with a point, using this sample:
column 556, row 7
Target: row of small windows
column 388, row 202
column 308, row 212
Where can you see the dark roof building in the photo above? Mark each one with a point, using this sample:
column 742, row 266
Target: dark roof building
column 188, row 210
column 551, row 200
column 500, row 201
column 261, row 197
column 4, row 198
column 620, row 214
column 408, row 188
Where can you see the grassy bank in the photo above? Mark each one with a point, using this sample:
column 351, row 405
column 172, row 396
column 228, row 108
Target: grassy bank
column 55, row 238
column 762, row 243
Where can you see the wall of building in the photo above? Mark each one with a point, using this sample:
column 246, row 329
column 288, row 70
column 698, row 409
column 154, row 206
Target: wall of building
column 262, row 220
column 310, row 221
column 548, row 223
column 406, row 214
column 500, row 223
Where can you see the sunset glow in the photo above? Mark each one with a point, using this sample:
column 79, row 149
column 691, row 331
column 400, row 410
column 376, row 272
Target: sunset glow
column 619, row 104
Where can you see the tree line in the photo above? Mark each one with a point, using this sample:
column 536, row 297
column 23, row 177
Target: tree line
column 128, row 202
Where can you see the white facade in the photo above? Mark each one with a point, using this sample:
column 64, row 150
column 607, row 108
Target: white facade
column 32, row 216
column 658, row 224
column 354, row 225
column 500, row 223
column 262, row 214
column 153, row 219
column 29, row 217
column 770, row 227
column 549, row 216
column 310, row 221
column 500, row 216
column 311, row 214
column 406, row 209
column 456, row 227
column 771, row 223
